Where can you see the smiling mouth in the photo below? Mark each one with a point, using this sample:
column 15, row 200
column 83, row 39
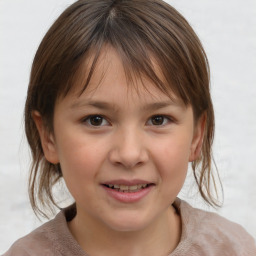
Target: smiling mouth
column 127, row 189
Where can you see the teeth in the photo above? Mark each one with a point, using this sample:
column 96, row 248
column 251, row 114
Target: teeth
column 125, row 188
column 134, row 187
column 140, row 186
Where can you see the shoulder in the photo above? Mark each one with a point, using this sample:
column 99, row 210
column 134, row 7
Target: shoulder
column 37, row 242
column 208, row 233
column 51, row 239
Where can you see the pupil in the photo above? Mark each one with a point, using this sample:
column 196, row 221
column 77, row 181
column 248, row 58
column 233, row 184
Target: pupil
column 157, row 120
column 96, row 120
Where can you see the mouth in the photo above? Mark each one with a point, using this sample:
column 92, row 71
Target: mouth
column 128, row 189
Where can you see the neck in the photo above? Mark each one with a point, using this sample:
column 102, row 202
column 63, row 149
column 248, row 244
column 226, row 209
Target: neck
column 159, row 238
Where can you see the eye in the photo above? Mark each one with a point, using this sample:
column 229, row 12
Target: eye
column 158, row 120
column 96, row 120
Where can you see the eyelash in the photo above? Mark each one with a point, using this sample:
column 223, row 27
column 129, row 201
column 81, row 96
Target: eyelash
column 166, row 120
column 88, row 120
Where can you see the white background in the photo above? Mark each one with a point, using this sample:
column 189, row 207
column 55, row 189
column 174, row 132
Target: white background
column 227, row 31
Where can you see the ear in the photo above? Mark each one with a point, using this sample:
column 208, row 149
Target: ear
column 198, row 138
column 47, row 139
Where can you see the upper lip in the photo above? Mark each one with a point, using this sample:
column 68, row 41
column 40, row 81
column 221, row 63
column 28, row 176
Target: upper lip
column 127, row 182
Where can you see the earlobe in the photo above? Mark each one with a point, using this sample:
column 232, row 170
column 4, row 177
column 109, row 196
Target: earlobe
column 47, row 139
column 198, row 139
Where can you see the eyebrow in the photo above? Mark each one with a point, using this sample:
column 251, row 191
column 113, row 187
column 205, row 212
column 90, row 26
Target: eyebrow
column 159, row 105
column 96, row 104
column 109, row 106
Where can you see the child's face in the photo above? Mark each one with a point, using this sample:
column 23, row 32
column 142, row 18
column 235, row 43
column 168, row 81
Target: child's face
column 115, row 135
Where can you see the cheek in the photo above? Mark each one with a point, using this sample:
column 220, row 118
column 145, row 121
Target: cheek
column 172, row 158
column 80, row 161
column 77, row 149
column 173, row 151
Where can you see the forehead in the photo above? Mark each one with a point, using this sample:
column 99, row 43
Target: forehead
column 110, row 85
column 107, row 72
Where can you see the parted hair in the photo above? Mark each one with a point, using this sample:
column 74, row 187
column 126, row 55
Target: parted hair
column 138, row 30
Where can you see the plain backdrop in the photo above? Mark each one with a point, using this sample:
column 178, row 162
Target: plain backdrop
column 227, row 31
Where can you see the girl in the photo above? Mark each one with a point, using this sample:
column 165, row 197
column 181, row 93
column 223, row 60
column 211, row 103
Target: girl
column 118, row 105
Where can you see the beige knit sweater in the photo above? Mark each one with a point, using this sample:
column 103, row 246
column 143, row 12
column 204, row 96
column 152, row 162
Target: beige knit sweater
column 203, row 233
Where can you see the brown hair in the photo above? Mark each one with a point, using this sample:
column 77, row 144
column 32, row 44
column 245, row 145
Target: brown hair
column 138, row 30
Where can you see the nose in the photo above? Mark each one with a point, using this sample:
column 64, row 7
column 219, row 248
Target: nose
column 128, row 149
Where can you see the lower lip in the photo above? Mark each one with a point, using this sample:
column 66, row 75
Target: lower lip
column 128, row 197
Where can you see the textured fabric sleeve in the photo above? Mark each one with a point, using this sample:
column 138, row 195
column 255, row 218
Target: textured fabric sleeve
column 208, row 234
column 31, row 247
column 53, row 238
column 16, row 250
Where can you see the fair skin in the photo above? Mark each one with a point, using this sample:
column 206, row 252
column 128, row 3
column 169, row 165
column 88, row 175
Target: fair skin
column 139, row 141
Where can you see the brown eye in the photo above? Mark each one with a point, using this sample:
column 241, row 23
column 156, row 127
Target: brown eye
column 96, row 120
column 157, row 120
